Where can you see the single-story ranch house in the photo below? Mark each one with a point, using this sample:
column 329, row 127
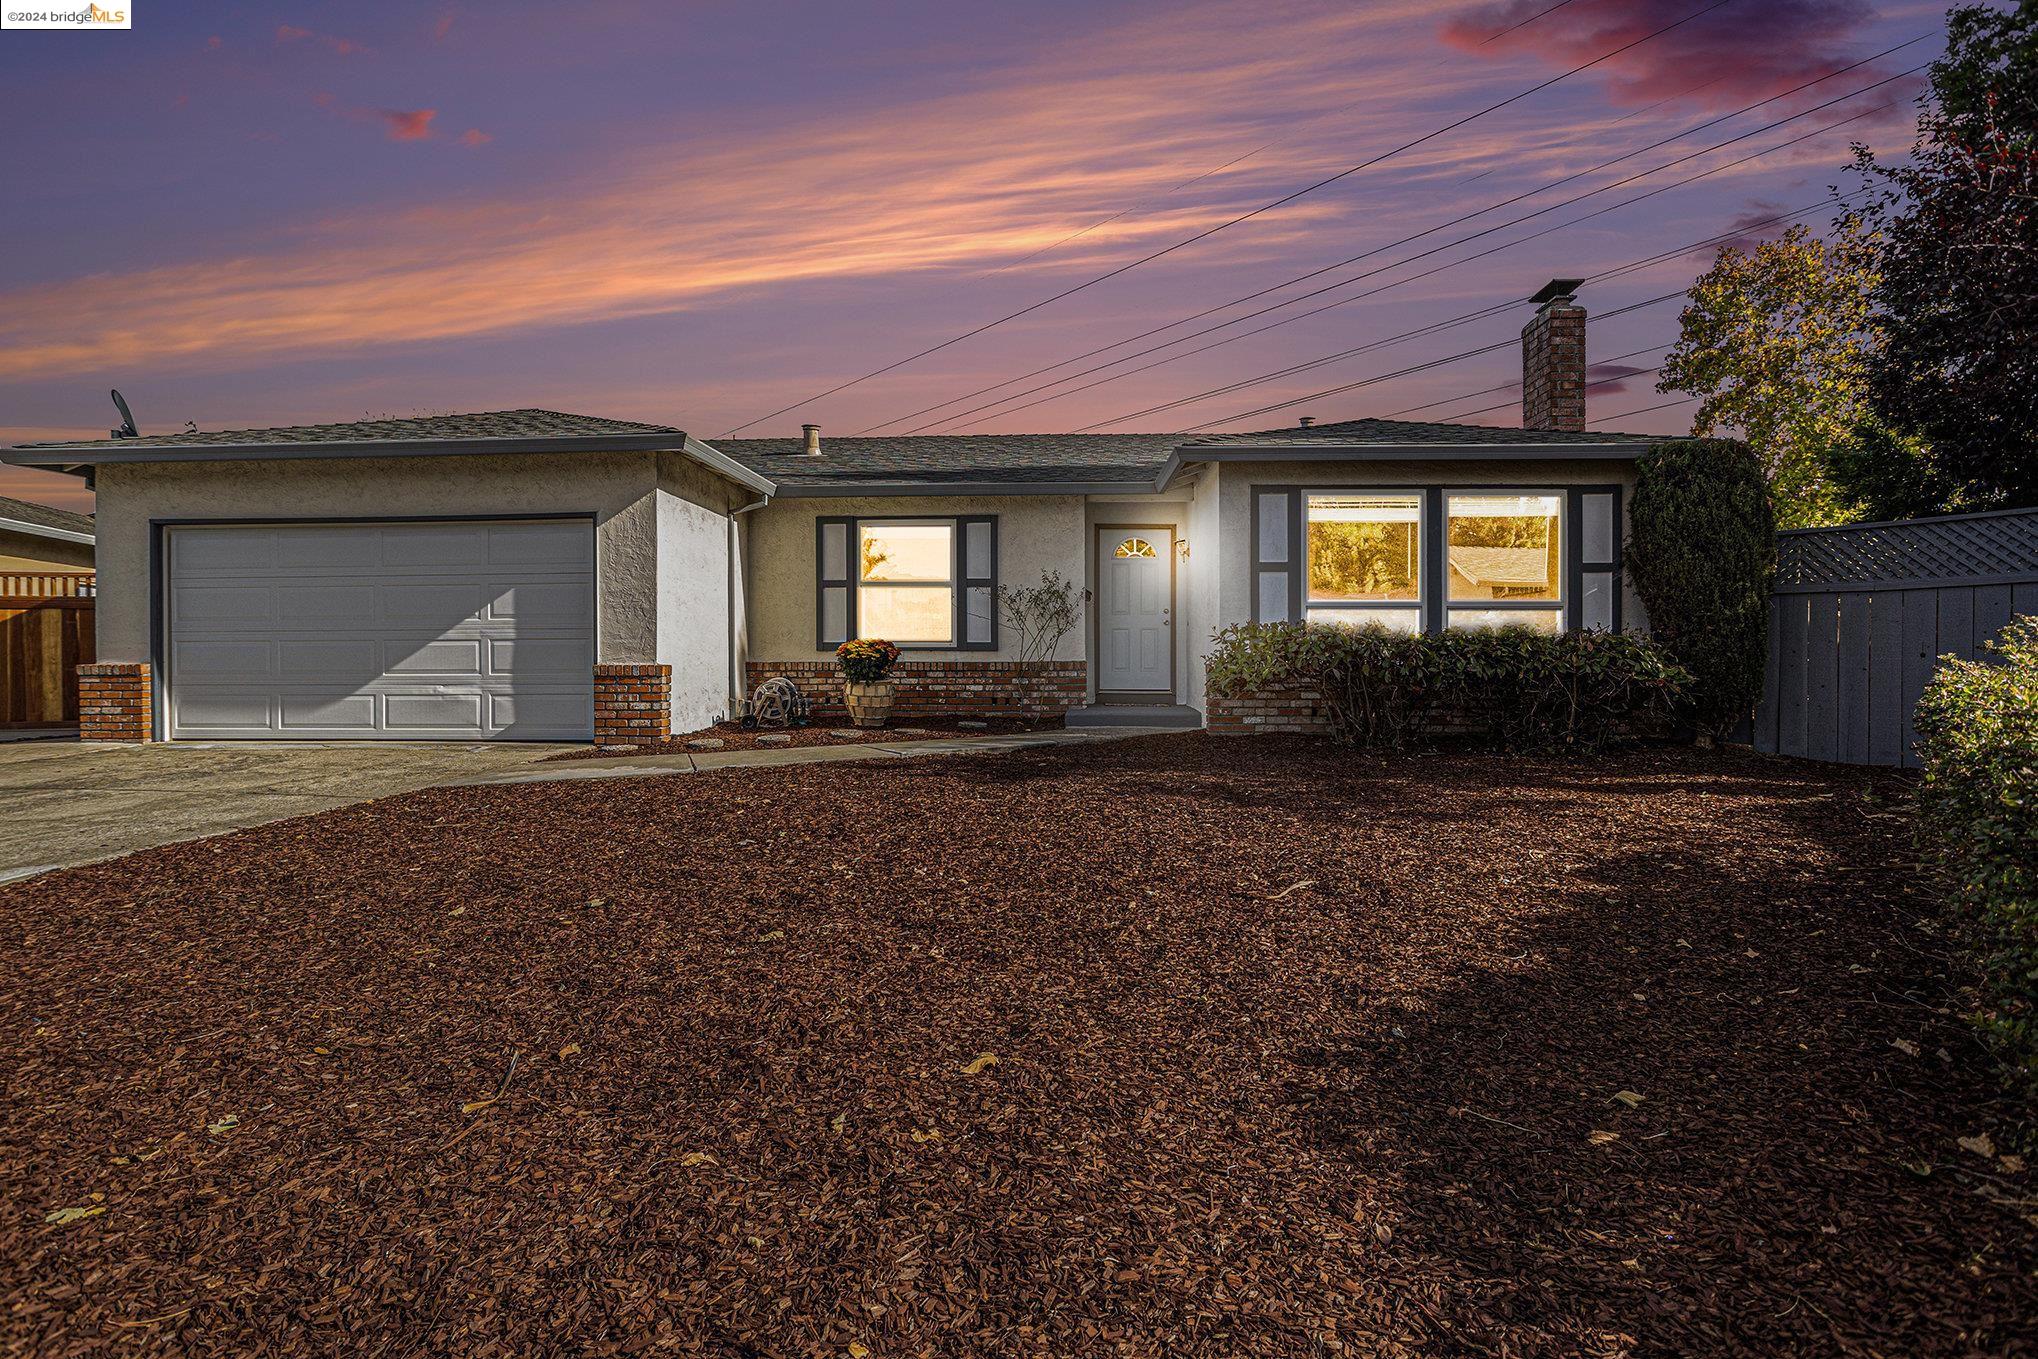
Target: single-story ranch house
column 42, row 539
column 532, row 575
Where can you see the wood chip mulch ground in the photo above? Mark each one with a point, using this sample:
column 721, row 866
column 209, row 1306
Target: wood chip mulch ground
column 1174, row 1046
column 734, row 737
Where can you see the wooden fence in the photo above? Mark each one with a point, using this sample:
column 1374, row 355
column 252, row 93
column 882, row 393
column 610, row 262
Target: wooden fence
column 1861, row 615
column 43, row 641
column 46, row 584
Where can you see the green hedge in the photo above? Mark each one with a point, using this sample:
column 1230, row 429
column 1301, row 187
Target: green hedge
column 1702, row 555
column 1978, row 734
column 1524, row 690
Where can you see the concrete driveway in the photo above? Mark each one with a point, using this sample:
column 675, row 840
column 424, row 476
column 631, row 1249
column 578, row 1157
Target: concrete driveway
column 67, row 802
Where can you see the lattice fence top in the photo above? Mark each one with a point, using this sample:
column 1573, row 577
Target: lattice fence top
column 2001, row 544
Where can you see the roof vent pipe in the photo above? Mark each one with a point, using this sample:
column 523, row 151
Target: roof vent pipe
column 1306, row 421
column 813, row 437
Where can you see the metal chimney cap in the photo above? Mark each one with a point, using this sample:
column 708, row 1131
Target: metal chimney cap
column 1557, row 289
column 1306, row 421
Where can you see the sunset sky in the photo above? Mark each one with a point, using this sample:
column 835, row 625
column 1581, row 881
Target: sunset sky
column 699, row 213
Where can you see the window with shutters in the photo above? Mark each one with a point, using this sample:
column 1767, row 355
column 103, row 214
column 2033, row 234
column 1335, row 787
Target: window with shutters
column 926, row 583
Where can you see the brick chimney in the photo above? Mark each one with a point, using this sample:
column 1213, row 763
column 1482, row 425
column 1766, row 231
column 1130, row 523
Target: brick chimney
column 1553, row 359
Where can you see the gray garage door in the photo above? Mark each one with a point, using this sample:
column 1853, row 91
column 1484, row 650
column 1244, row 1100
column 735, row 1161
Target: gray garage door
column 402, row 632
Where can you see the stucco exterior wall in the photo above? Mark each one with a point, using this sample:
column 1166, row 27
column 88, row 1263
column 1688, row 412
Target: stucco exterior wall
column 696, row 590
column 1236, row 480
column 1035, row 534
column 32, row 552
column 619, row 490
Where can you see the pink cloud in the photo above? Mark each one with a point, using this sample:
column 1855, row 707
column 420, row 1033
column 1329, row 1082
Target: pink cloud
column 213, row 43
column 409, row 125
column 443, row 26
column 1759, row 49
column 474, row 136
column 346, row 47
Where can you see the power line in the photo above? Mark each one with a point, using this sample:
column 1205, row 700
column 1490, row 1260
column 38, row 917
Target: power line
column 1659, row 406
column 1347, row 282
column 1374, row 292
column 1243, row 217
column 1526, row 22
column 1603, row 382
column 1404, row 372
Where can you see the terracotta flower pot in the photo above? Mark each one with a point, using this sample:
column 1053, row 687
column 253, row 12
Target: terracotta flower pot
column 870, row 705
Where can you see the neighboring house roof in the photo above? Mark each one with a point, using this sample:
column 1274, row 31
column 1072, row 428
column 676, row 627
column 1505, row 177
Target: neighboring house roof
column 483, row 432
column 1502, row 566
column 44, row 521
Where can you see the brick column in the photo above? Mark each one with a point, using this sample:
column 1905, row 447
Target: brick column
column 116, row 702
column 632, row 704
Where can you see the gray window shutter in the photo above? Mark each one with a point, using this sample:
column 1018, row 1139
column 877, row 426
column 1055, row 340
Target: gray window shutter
column 1277, row 554
column 834, row 593
column 976, row 552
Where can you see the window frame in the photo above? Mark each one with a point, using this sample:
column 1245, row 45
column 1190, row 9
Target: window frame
column 1416, row 606
column 1292, row 558
column 1562, row 605
column 960, row 582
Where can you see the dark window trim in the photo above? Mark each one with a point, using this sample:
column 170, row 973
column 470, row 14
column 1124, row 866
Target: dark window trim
column 959, row 582
column 1435, row 604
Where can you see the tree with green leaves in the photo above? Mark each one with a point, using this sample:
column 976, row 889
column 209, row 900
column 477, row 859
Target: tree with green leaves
column 1954, row 384
column 1702, row 555
column 1777, row 343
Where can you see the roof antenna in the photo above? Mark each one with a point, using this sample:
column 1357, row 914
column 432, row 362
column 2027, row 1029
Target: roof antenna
column 127, row 429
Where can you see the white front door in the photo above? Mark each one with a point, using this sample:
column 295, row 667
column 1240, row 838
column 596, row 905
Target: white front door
column 1135, row 611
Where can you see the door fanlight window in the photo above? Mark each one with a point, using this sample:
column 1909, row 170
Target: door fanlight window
column 1135, row 547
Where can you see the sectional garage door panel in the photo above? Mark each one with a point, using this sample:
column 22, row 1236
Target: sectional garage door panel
column 416, row 631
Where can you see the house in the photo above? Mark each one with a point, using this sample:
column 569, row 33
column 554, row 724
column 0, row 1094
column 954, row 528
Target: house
column 42, row 548
column 527, row 574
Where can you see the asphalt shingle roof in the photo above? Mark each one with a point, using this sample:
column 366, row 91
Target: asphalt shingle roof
column 44, row 516
column 937, row 458
column 934, row 458
column 1416, row 433
column 517, row 424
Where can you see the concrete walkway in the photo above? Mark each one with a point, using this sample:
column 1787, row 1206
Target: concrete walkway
column 65, row 803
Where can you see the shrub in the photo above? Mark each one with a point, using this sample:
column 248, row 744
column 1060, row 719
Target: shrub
column 1521, row 690
column 1978, row 735
column 1702, row 554
column 1039, row 616
column 866, row 660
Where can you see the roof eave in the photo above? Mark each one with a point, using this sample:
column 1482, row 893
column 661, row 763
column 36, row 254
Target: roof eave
column 1318, row 451
column 791, row 490
column 46, row 531
column 71, row 457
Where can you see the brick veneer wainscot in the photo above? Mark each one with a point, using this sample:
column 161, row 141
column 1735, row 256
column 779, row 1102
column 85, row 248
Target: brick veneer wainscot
column 1020, row 690
column 632, row 704
column 1297, row 709
column 116, row 702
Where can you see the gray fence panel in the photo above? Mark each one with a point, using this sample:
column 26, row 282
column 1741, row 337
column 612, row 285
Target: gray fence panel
column 1853, row 696
column 1862, row 614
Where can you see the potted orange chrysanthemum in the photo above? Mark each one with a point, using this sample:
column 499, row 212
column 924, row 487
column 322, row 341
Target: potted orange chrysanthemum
column 867, row 679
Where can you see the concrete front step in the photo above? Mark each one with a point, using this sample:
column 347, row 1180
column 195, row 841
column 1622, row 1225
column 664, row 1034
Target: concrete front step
column 1169, row 715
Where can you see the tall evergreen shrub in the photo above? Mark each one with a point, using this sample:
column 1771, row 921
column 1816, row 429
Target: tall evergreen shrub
column 1702, row 554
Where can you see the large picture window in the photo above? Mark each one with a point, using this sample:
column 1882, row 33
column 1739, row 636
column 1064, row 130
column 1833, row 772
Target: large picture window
column 925, row 583
column 1421, row 559
column 1505, row 558
column 1365, row 558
